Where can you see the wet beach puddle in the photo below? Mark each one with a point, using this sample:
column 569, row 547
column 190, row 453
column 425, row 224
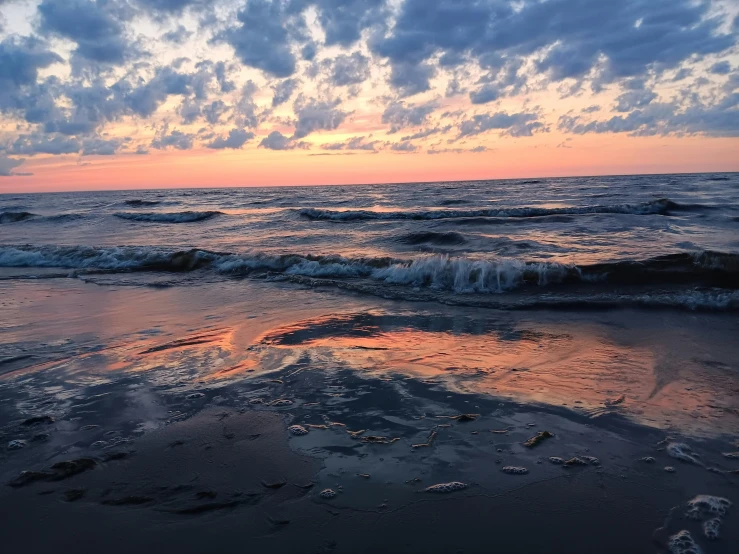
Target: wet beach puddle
column 593, row 370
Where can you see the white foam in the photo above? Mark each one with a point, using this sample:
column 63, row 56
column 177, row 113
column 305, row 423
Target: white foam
column 683, row 543
column 513, row 470
column 704, row 505
column 446, row 487
column 711, row 528
column 16, row 444
column 327, row 493
column 298, row 430
column 683, row 452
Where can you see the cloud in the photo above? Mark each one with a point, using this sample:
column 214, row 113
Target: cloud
column 175, row 139
column 178, row 35
column 95, row 26
column 315, row 115
column 236, row 139
column 7, row 165
column 486, row 93
column 423, row 133
column 400, row 115
column 262, row 40
column 404, row 146
column 673, row 118
column 284, row 91
column 572, row 38
column 344, row 20
column 634, row 99
column 355, row 143
column 40, row 143
column 277, row 141
column 350, row 70
column 171, row 6
column 475, row 150
column 721, row 68
column 516, row 124
column 20, row 62
column 101, row 146
column 410, row 79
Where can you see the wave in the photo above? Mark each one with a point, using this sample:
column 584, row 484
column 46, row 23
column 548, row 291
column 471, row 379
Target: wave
column 168, row 217
column 660, row 207
column 432, row 237
column 13, row 217
column 139, row 202
column 460, row 275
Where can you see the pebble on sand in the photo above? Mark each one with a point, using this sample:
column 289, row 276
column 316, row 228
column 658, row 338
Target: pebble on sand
column 513, row 470
column 538, row 439
column 446, row 487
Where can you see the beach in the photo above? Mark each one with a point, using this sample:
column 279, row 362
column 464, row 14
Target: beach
column 451, row 367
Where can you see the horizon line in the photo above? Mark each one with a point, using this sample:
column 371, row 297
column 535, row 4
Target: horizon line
column 391, row 183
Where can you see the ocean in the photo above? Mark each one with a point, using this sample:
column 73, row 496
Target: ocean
column 602, row 310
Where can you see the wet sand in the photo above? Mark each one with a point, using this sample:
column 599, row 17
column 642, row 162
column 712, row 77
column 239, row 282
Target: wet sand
column 180, row 405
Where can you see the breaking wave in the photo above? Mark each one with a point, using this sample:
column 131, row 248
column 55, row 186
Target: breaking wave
column 660, row 207
column 460, row 275
column 168, row 217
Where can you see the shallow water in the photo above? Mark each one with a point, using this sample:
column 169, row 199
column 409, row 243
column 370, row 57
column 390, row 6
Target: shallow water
column 593, row 308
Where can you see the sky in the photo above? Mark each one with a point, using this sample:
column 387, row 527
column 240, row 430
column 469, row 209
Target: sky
column 114, row 94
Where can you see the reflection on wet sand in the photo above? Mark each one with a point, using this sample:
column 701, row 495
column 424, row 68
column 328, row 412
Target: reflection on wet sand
column 586, row 368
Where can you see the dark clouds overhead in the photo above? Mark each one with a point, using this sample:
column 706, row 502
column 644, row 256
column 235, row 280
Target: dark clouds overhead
column 245, row 73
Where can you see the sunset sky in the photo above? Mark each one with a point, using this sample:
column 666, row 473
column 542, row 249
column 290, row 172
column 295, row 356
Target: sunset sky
column 111, row 94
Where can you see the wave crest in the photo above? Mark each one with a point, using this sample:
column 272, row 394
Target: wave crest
column 168, row 217
column 13, row 217
column 661, row 207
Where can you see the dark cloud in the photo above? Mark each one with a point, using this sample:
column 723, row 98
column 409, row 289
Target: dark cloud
column 236, row 139
column 674, row 118
column 283, row 91
column 634, row 99
column 97, row 27
column 316, row 115
column 486, row 93
column 721, row 68
column 171, row 6
column 400, row 115
column 102, row 146
column 350, row 69
column 20, row 62
column 404, row 146
column 7, row 165
column 516, row 124
column 591, row 109
column 178, row 35
column 174, row 139
column 214, row 111
column 344, row 20
column 262, row 40
column 277, row 141
column 410, row 79
column 427, row 132
column 40, row 143
column 578, row 36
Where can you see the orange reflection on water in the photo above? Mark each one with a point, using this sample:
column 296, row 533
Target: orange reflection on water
column 584, row 369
